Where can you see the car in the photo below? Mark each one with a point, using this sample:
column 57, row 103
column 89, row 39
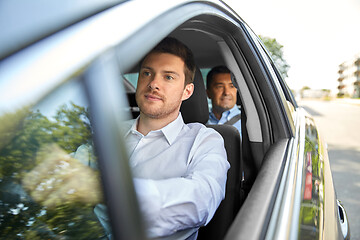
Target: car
column 68, row 72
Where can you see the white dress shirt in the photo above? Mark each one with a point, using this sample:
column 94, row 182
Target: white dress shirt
column 179, row 174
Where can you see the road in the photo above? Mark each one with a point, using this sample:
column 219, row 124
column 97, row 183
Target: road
column 339, row 124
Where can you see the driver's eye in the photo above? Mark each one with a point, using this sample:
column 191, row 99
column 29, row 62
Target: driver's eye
column 146, row 73
column 168, row 77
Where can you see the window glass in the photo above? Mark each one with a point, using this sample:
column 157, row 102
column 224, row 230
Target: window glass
column 286, row 91
column 204, row 73
column 132, row 78
column 42, row 148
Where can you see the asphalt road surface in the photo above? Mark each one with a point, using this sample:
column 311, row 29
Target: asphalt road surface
column 339, row 124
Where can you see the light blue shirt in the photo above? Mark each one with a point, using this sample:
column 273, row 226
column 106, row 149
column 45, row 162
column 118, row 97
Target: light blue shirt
column 179, row 174
column 226, row 116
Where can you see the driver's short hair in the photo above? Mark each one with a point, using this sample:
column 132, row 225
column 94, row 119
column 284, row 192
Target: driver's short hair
column 173, row 46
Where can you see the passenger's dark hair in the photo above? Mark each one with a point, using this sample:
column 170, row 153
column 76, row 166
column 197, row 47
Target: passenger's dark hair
column 214, row 71
column 177, row 48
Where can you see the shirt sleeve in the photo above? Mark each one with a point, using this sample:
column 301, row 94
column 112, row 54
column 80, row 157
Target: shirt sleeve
column 174, row 204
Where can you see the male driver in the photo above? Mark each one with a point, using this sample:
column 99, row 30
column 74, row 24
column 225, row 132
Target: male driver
column 222, row 93
column 179, row 169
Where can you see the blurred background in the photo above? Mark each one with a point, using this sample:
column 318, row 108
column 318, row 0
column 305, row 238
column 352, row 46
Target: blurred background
column 316, row 45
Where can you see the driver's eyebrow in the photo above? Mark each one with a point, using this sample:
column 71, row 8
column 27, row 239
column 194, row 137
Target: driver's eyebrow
column 172, row 72
column 145, row 67
column 165, row 71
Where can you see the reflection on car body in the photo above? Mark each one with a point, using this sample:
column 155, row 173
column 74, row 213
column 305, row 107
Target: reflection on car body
column 63, row 92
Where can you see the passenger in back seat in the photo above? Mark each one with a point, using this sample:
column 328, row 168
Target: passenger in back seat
column 223, row 95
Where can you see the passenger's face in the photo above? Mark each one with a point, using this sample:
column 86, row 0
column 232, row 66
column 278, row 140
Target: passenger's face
column 222, row 92
column 161, row 85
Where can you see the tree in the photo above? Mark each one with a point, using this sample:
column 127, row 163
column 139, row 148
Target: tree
column 276, row 52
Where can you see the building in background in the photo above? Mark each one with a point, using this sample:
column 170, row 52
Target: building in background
column 349, row 78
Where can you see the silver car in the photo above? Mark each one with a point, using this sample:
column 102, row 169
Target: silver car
column 68, row 72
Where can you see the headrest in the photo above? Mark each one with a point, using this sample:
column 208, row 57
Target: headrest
column 195, row 109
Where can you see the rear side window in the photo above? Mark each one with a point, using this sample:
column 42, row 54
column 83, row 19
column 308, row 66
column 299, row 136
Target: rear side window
column 41, row 148
column 132, row 78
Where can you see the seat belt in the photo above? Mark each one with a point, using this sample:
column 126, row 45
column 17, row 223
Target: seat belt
column 233, row 120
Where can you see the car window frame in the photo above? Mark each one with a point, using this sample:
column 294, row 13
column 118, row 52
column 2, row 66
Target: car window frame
column 103, row 78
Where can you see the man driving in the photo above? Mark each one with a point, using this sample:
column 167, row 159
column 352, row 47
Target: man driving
column 180, row 169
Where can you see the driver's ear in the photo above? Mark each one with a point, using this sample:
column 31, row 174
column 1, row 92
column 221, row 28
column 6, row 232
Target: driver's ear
column 188, row 91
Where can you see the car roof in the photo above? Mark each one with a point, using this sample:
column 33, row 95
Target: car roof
column 24, row 22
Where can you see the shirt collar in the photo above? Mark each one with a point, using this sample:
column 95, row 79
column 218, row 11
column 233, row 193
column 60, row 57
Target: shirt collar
column 132, row 129
column 170, row 131
column 225, row 115
column 235, row 108
column 212, row 116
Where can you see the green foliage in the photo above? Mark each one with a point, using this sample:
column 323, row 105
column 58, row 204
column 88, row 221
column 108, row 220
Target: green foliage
column 72, row 128
column 69, row 131
column 276, row 51
column 22, row 134
column 10, row 123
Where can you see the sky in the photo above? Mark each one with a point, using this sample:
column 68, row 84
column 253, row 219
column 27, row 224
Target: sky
column 317, row 35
